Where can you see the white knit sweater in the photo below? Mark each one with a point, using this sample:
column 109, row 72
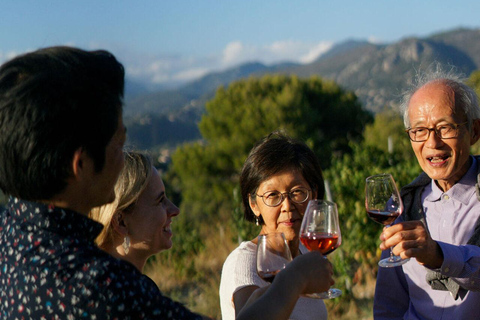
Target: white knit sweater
column 239, row 270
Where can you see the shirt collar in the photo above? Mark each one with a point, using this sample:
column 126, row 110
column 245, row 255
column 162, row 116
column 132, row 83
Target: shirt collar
column 461, row 191
column 58, row 220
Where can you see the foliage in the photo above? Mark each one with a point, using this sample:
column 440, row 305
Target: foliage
column 355, row 262
column 360, row 241
column 388, row 125
column 474, row 82
column 317, row 111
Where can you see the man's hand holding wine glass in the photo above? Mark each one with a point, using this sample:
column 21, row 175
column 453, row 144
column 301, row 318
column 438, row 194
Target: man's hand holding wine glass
column 410, row 239
column 384, row 205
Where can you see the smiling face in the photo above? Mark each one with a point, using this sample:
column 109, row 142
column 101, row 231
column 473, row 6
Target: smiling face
column 444, row 160
column 287, row 216
column 149, row 223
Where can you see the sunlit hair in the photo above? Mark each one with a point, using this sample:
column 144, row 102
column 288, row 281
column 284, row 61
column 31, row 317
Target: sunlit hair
column 276, row 154
column 130, row 185
column 465, row 96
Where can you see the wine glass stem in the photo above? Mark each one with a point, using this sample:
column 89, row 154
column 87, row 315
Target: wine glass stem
column 391, row 259
column 391, row 255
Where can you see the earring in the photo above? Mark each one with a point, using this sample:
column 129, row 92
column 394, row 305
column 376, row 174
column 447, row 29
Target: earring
column 256, row 221
column 126, row 244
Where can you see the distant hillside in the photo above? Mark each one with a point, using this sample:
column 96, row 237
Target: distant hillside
column 377, row 73
column 172, row 100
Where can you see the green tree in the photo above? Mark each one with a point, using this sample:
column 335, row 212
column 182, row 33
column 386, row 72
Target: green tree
column 388, row 124
column 319, row 112
column 474, row 82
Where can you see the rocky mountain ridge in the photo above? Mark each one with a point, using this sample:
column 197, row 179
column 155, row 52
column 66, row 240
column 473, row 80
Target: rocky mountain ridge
column 377, row 73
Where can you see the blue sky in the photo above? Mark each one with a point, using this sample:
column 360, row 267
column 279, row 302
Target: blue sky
column 173, row 41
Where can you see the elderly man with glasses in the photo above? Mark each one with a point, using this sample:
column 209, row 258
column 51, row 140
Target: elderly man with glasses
column 442, row 209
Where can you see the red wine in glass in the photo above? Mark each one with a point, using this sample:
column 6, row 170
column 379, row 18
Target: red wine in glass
column 320, row 241
column 268, row 276
column 383, row 217
column 320, row 231
column 384, row 205
column 273, row 255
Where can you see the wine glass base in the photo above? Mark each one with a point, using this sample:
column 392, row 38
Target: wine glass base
column 330, row 294
column 391, row 262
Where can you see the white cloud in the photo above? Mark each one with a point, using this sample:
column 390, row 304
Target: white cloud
column 171, row 69
column 316, row 51
column 189, row 74
column 233, row 52
column 280, row 51
column 165, row 69
column 374, row 40
column 154, row 69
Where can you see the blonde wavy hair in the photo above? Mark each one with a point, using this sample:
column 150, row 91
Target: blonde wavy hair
column 130, row 185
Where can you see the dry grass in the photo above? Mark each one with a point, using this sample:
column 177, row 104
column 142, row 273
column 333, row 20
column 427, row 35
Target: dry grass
column 200, row 291
column 355, row 310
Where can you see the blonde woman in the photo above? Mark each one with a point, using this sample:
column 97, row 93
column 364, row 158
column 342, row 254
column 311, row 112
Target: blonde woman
column 137, row 223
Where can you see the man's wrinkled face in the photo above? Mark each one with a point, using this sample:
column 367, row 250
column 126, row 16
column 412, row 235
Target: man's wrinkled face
column 444, row 160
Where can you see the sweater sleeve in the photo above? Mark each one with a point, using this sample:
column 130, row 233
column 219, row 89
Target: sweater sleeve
column 239, row 271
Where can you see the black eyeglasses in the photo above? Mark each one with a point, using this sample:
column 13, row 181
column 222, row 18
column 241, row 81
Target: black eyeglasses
column 274, row 198
column 444, row 131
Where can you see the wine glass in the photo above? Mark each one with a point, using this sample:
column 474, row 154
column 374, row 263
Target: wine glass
column 384, row 205
column 273, row 255
column 320, row 231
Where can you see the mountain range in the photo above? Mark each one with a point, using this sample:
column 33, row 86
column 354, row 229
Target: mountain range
column 377, row 73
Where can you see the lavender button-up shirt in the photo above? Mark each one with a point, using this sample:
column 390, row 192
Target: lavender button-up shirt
column 403, row 293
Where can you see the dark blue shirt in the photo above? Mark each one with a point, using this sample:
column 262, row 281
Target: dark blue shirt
column 50, row 268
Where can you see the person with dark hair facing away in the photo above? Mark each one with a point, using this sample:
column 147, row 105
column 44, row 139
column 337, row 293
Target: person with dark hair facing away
column 279, row 177
column 61, row 152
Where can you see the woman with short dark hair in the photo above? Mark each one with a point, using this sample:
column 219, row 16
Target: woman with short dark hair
column 279, row 177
